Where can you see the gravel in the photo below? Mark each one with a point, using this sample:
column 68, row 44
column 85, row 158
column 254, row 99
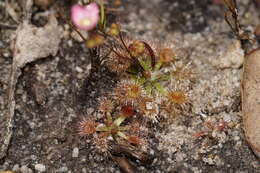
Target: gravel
column 75, row 152
column 40, row 167
column 45, row 135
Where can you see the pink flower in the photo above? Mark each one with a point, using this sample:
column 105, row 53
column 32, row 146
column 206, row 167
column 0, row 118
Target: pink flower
column 85, row 18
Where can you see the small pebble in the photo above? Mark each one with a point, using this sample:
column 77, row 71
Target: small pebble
column 84, row 170
column 16, row 167
column 70, row 43
column 25, row 169
column 40, row 167
column 75, row 152
column 79, row 70
column 1, row 44
column 208, row 161
column 6, row 55
column 63, row 169
column 227, row 118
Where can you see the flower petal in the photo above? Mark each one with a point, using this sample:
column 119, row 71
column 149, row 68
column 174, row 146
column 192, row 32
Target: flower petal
column 85, row 17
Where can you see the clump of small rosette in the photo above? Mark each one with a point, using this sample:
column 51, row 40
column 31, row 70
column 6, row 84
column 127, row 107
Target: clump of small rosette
column 85, row 17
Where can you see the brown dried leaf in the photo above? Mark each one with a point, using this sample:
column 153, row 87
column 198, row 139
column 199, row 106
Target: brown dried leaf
column 251, row 100
column 31, row 44
column 124, row 164
column 131, row 152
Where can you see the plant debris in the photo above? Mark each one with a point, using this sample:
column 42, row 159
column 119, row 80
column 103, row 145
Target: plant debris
column 250, row 100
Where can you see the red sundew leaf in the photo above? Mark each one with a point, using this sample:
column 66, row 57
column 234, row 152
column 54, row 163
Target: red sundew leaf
column 151, row 52
column 221, row 126
column 87, row 127
column 134, row 140
column 127, row 111
column 200, row 134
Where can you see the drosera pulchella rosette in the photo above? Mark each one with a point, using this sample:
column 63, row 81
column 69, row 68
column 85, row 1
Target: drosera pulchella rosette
column 87, row 127
column 121, row 57
column 119, row 60
column 116, row 124
column 129, row 92
column 106, row 105
column 176, row 101
column 101, row 142
column 166, row 55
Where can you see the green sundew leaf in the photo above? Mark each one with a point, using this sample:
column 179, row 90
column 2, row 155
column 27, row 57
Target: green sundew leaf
column 119, row 121
column 162, row 77
column 135, row 78
column 122, row 135
column 144, row 64
column 109, row 119
column 103, row 129
column 105, row 22
column 141, row 80
column 102, row 15
column 152, row 55
column 159, row 88
column 158, row 66
column 123, row 128
column 149, row 89
column 132, row 70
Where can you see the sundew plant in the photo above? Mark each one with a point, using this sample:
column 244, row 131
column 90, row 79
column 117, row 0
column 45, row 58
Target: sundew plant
column 154, row 82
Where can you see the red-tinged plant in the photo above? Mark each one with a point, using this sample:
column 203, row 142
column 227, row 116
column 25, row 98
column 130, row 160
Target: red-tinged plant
column 106, row 106
column 134, row 140
column 101, row 142
column 200, row 134
column 221, row 126
column 208, row 127
column 166, row 55
column 127, row 111
column 177, row 97
column 129, row 92
column 87, row 127
column 114, row 125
